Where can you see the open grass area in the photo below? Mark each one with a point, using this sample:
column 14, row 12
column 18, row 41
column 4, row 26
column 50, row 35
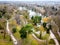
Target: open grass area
column 51, row 41
column 17, row 35
column 28, row 41
column 5, row 41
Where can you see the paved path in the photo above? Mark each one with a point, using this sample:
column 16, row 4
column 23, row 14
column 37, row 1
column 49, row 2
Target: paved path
column 54, row 38
column 11, row 35
column 37, row 38
column 58, row 33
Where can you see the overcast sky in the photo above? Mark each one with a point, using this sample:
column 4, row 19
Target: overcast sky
column 29, row 0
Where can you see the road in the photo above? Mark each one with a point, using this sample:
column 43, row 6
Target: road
column 11, row 35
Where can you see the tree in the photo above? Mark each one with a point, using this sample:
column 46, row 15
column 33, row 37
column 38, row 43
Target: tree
column 32, row 17
column 47, row 29
column 0, row 14
column 50, row 26
column 27, row 29
column 44, row 25
column 6, row 17
column 14, row 30
column 6, row 14
column 36, row 19
column 41, row 28
column 23, row 33
column 3, row 27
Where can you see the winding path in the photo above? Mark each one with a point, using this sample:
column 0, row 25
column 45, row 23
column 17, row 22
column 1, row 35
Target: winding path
column 11, row 35
column 54, row 38
column 37, row 38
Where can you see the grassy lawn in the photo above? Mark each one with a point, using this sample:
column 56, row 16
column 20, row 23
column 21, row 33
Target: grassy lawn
column 17, row 35
column 29, row 41
column 5, row 41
